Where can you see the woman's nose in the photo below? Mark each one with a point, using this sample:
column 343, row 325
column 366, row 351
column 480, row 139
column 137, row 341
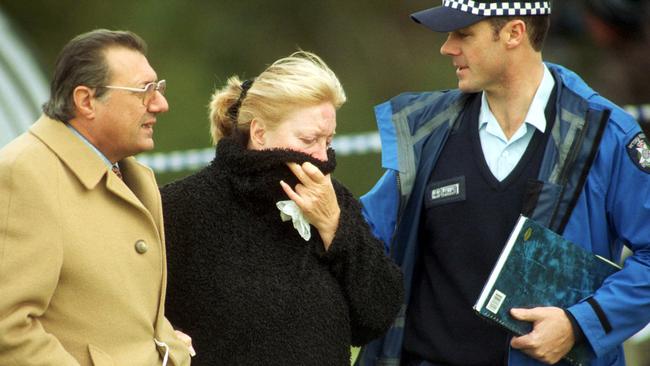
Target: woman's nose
column 320, row 153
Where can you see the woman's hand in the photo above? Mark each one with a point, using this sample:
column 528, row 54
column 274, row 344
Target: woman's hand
column 316, row 198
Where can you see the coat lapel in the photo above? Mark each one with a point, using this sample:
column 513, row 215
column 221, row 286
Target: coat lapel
column 143, row 187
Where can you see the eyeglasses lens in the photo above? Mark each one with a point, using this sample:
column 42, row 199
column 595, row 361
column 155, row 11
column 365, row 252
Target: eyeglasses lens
column 151, row 88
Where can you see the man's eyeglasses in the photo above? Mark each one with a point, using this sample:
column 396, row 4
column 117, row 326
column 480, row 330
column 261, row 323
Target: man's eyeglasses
column 148, row 91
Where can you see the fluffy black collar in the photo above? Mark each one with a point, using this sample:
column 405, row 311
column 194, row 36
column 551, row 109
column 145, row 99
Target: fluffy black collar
column 254, row 175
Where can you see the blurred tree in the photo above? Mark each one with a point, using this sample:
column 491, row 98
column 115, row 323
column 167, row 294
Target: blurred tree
column 372, row 45
column 619, row 28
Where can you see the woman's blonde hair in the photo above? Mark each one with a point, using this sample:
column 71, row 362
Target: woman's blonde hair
column 300, row 80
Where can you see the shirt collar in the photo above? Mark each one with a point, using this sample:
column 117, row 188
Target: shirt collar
column 536, row 115
column 92, row 147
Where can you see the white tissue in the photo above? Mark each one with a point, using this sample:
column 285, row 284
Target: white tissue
column 289, row 210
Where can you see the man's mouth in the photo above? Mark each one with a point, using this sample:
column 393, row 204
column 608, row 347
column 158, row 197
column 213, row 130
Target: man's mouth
column 148, row 125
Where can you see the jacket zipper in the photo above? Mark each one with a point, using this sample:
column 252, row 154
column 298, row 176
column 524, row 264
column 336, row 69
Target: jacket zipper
column 400, row 209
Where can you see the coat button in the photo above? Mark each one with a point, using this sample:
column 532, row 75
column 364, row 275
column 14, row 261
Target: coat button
column 141, row 247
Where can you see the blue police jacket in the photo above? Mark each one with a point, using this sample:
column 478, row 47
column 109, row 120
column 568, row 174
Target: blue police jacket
column 593, row 187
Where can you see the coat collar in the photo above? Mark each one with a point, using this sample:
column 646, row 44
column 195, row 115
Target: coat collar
column 139, row 187
column 83, row 162
column 255, row 175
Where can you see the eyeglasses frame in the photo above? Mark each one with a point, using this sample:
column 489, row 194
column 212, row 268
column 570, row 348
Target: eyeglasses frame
column 160, row 86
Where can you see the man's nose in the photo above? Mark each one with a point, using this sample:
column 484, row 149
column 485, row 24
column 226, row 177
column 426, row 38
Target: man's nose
column 448, row 48
column 158, row 104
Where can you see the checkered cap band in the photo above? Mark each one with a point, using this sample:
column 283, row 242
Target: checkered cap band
column 505, row 8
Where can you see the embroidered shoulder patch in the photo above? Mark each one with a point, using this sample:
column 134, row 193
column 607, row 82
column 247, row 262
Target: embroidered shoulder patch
column 639, row 152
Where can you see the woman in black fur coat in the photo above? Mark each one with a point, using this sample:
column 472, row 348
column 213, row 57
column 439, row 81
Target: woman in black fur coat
column 249, row 287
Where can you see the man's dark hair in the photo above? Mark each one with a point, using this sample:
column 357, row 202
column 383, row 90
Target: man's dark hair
column 536, row 27
column 83, row 62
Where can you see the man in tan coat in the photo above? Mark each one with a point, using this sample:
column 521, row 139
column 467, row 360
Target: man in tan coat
column 82, row 253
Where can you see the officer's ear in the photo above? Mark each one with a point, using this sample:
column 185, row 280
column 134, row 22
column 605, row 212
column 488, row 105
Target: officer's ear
column 514, row 33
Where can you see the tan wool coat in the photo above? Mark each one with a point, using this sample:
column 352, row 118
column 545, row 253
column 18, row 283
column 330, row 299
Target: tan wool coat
column 82, row 257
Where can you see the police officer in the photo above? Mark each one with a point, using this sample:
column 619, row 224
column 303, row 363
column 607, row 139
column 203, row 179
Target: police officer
column 517, row 136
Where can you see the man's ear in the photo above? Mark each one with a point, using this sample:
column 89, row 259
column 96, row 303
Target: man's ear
column 84, row 99
column 257, row 132
column 514, row 33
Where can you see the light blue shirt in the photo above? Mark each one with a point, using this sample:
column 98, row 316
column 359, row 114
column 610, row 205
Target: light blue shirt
column 501, row 154
column 91, row 146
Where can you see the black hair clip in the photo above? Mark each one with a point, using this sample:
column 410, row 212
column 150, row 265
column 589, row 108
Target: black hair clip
column 233, row 111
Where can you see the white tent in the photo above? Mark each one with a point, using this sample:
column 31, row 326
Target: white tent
column 23, row 88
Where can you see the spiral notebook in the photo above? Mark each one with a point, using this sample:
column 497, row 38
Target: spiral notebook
column 538, row 267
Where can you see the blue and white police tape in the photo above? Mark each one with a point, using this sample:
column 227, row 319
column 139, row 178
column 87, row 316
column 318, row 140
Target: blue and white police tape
column 176, row 161
column 345, row 145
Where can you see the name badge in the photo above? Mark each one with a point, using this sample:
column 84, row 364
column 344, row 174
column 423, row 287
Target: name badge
column 445, row 191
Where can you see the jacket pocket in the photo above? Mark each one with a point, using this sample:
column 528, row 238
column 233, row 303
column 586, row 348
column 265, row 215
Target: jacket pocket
column 99, row 357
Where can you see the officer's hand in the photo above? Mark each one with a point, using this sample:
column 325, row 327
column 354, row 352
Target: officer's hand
column 552, row 336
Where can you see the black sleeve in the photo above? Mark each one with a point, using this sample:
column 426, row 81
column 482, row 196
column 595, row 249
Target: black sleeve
column 177, row 223
column 372, row 283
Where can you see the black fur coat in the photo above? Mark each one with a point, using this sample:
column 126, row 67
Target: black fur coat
column 248, row 289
